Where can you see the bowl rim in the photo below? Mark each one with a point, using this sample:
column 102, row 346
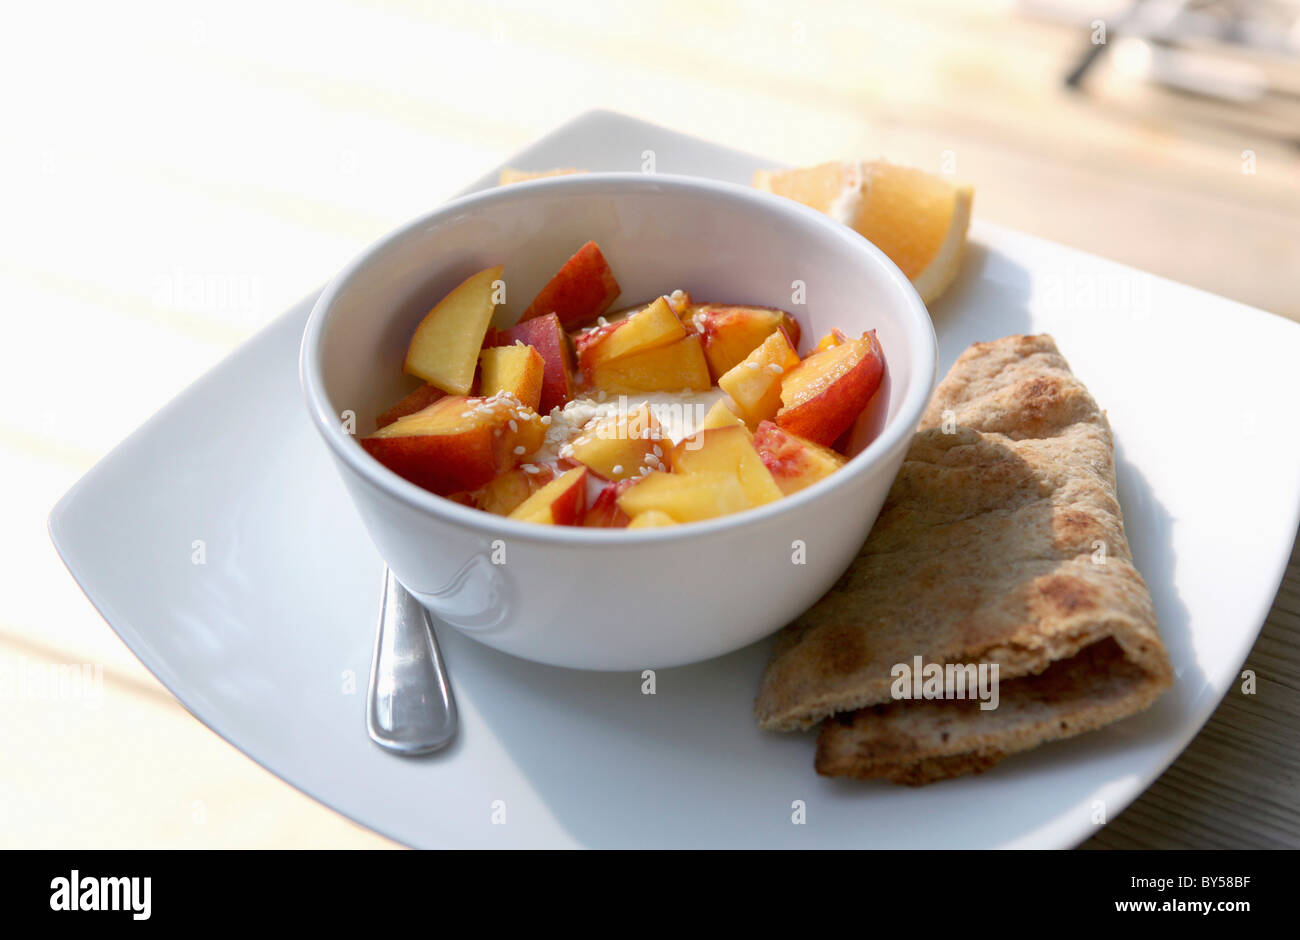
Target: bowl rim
column 915, row 321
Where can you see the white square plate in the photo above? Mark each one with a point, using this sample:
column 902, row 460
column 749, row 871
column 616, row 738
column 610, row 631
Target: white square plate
column 268, row 643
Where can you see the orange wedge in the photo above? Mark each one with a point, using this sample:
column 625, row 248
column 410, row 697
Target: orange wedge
column 917, row 219
column 511, row 175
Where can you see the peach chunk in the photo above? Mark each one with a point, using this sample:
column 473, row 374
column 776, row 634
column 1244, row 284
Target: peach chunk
column 580, row 291
column 720, row 416
column 444, row 349
column 619, row 446
column 652, row 519
column 560, row 502
column 794, row 462
column 654, row 326
column 727, row 450
column 672, row 368
column 732, row 333
column 418, row 400
column 604, row 511
column 685, row 497
column 826, row 392
column 506, row 491
column 547, row 336
column 833, row 338
column 515, row 369
column 755, row 383
column 457, row 443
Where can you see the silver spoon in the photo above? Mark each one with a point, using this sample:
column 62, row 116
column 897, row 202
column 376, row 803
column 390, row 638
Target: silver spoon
column 411, row 709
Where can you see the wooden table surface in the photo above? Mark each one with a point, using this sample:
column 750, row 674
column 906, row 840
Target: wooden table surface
column 174, row 178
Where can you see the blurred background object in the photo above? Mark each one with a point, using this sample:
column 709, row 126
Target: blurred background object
column 174, row 176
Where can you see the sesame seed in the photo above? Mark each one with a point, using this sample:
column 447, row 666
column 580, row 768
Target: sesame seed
column 752, row 365
column 601, row 321
column 775, row 368
column 617, row 468
column 546, row 420
column 530, row 468
column 659, row 451
column 520, row 449
column 514, row 425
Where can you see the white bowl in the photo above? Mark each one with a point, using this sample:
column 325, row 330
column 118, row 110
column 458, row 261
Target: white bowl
column 615, row 599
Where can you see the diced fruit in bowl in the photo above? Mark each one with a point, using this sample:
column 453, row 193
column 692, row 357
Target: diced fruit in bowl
column 457, row 443
column 504, row 426
column 824, row 394
column 604, row 511
column 652, row 519
column 794, row 463
column 686, row 497
column 833, row 338
column 732, row 333
column 418, row 400
column 654, row 326
column 580, row 291
column 547, row 336
column 727, row 451
column 618, row 447
column 515, row 369
column 445, row 347
column 754, row 384
column 677, row 366
column 720, row 416
column 560, row 502
column 504, row 493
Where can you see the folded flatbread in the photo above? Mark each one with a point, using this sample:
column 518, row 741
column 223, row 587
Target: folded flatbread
column 1001, row 542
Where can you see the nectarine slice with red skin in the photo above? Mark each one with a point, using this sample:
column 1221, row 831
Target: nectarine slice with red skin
column 583, row 289
column 418, row 400
column 824, row 394
column 560, row 502
column 457, row 443
column 546, row 335
column 445, row 346
column 517, row 369
column 731, row 332
column 795, row 463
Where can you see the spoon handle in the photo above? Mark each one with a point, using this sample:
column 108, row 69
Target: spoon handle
column 411, row 709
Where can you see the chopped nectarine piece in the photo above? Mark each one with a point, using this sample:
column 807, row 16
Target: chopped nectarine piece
column 604, row 511
column 825, row 393
column 685, row 497
column 547, row 336
column 672, row 368
column 654, row 326
column 727, row 451
column 755, row 383
column 507, row 491
column 794, row 462
column 418, row 400
column 732, row 333
column 833, row 338
column 515, row 369
column 580, row 291
column 652, row 519
column 720, row 416
column 618, row 447
column 560, row 502
column 444, row 349
column 457, row 443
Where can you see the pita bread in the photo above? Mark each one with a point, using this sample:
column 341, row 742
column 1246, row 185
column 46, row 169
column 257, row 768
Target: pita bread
column 1001, row 541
